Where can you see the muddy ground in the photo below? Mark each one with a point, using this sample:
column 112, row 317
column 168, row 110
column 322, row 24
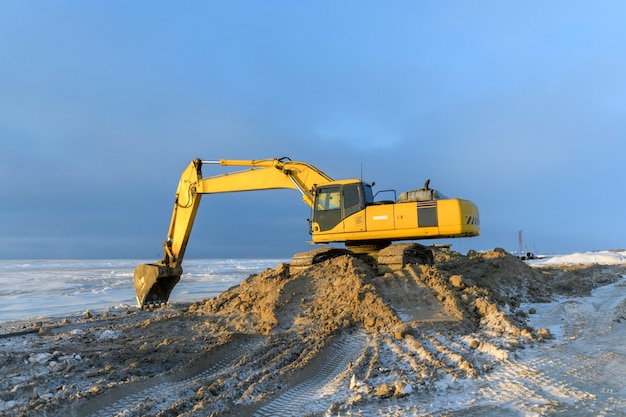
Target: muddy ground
column 331, row 340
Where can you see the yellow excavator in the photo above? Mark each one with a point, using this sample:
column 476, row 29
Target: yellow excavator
column 343, row 211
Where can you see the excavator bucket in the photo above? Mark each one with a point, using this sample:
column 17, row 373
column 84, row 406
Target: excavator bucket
column 154, row 283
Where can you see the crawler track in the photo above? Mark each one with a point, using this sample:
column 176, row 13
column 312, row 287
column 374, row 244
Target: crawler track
column 303, row 260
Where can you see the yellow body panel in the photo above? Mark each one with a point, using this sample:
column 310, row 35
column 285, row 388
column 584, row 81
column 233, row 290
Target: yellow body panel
column 355, row 223
column 405, row 215
column 401, row 221
column 379, row 217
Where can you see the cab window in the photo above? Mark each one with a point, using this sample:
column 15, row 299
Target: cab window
column 352, row 201
column 329, row 199
column 368, row 194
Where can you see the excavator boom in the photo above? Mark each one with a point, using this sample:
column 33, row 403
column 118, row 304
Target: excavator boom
column 154, row 282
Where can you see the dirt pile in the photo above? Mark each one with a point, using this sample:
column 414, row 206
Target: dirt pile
column 345, row 292
column 320, row 341
column 330, row 296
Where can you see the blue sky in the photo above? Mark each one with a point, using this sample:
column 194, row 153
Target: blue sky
column 519, row 108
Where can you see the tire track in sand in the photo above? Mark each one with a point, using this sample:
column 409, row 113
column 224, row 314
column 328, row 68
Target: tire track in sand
column 306, row 389
column 128, row 396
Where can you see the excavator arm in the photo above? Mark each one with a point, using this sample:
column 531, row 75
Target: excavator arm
column 154, row 282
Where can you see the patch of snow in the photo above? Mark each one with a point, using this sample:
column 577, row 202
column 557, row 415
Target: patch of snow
column 605, row 257
column 109, row 335
column 40, row 358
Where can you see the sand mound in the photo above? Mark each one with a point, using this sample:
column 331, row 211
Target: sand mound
column 327, row 297
column 345, row 292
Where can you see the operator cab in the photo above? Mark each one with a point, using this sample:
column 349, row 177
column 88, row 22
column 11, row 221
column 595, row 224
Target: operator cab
column 336, row 201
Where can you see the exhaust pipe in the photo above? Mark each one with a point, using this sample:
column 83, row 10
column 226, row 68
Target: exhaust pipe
column 154, row 283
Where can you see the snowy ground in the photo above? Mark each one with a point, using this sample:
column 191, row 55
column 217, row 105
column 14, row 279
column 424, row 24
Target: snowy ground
column 57, row 288
column 581, row 372
column 172, row 361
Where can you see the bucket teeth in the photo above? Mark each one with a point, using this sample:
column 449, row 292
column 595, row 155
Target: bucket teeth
column 154, row 283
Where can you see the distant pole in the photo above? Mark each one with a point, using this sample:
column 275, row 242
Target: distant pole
column 521, row 244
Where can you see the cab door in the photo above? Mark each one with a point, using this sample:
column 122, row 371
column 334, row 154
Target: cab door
column 335, row 203
column 327, row 211
column 353, row 204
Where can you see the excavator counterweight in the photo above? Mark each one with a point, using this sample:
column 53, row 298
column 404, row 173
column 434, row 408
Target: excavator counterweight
column 343, row 211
